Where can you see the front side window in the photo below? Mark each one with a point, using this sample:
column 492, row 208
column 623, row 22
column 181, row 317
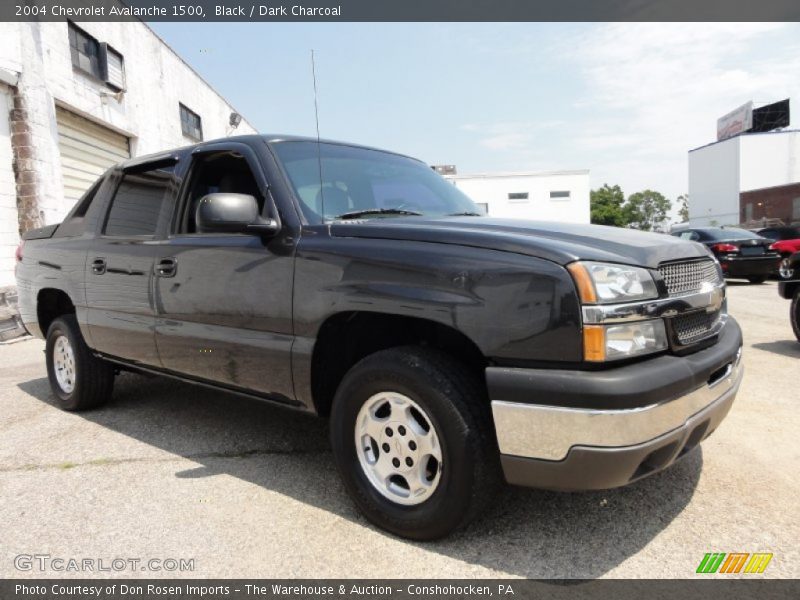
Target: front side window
column 136, row 206
column 85, row 51
column 191, row 124
column 220, row 172
column 332, row 180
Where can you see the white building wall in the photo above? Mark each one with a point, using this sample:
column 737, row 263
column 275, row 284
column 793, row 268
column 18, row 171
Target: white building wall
column 494, row 189
column 157, row 80
column 769, row 160
column 9, row 234
column 714, row 184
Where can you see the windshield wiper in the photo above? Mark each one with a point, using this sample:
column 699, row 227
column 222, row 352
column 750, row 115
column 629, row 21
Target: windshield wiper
column 466, row 213
column 355, row 214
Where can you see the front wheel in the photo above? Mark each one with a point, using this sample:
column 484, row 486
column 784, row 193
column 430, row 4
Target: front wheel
column 757, row 278
column 78, row 379
column 786, row 271
column 411, row 434
column 794, row 315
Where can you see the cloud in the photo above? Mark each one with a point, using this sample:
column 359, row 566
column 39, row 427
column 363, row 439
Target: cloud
column 506, row 141
column 655, row 90
column 509, row 136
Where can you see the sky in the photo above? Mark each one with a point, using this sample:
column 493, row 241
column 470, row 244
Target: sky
column 625, row 100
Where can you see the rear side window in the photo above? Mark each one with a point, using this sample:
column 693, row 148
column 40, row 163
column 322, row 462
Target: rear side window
column 74, row 223
column 136, row 207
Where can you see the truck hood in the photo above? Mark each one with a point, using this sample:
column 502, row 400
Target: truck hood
column 557, row 242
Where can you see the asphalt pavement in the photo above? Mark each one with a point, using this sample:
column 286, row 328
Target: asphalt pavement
column 171, row 471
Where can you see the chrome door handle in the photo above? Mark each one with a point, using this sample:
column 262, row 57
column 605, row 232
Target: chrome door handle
column 167, row 267
column 99, row 266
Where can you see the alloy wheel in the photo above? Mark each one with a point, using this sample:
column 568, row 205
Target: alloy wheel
column 64, row 364
column 398, row 448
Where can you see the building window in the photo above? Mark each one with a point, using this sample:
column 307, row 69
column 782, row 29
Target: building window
column 85, row 51
column 518, row 196
column 114, row 68
column 191, row 125
column 559, row 195
column 483, row 206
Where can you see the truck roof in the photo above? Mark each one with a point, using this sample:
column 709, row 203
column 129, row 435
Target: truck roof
column 269, row 138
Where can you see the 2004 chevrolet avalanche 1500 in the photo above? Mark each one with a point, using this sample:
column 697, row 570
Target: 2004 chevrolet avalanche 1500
column 449, row 349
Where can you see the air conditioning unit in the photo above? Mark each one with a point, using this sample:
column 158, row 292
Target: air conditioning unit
column 113, row 67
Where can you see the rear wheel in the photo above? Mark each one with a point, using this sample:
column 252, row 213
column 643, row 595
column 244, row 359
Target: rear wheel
column 785, row 270
column 795, row 314
column 757, row 278
column 78, row 379
column 412, row 437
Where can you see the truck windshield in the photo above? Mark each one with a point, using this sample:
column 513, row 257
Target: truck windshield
column 335, row 181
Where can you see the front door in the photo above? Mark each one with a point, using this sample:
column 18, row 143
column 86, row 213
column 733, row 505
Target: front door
column 119, row 266
column 224, row 301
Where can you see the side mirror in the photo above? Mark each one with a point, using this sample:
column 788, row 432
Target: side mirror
column 232, row 213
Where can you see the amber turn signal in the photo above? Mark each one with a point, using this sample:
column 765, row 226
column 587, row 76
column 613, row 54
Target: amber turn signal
column 594, row 343
column 583, row 282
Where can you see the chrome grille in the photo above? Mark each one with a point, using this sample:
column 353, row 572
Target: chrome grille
column 694, row 326
column 689, row 276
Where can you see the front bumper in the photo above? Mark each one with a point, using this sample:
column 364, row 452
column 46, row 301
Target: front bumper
column 615, row 440
column 750, row 267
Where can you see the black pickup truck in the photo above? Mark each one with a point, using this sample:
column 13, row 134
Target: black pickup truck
column 450, row 350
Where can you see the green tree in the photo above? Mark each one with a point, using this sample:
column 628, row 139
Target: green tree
column 646, row 210
column 606, row 206
column 683, row 211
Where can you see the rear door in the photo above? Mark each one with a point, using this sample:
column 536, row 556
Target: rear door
column 119, row 266
column 224, row 301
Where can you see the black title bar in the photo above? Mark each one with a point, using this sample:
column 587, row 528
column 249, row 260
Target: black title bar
column 401, row 10
column 700, row 588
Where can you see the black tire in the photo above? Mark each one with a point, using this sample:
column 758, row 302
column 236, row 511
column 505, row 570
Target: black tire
column 757, row 279
column 794, row 314
column 454, row 400
column 93, row 378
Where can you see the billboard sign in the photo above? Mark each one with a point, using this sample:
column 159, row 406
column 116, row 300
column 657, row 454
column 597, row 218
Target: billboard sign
column 735, row 122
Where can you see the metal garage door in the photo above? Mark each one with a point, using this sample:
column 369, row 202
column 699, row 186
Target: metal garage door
column 87, row 150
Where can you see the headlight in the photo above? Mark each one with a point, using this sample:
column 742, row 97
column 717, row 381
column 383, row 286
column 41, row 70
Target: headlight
column 601, row 283
column 625, row 340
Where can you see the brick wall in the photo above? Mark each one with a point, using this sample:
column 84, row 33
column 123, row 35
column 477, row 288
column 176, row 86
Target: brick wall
column 780, row 202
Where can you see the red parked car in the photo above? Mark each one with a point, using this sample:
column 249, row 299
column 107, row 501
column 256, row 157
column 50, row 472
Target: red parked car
column 787, row 242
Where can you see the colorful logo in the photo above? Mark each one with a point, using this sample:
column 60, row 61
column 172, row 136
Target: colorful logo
column 734, row 562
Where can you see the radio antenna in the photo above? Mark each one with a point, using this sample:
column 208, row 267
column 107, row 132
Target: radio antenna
column 319, row 149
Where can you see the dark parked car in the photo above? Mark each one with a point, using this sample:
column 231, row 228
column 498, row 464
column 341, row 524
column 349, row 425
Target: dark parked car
column 786, row 241
column 791, row 291
column 449, row 349
column 741, row 253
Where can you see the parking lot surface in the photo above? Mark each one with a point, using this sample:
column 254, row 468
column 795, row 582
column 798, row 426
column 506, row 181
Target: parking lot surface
column 168, row 470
